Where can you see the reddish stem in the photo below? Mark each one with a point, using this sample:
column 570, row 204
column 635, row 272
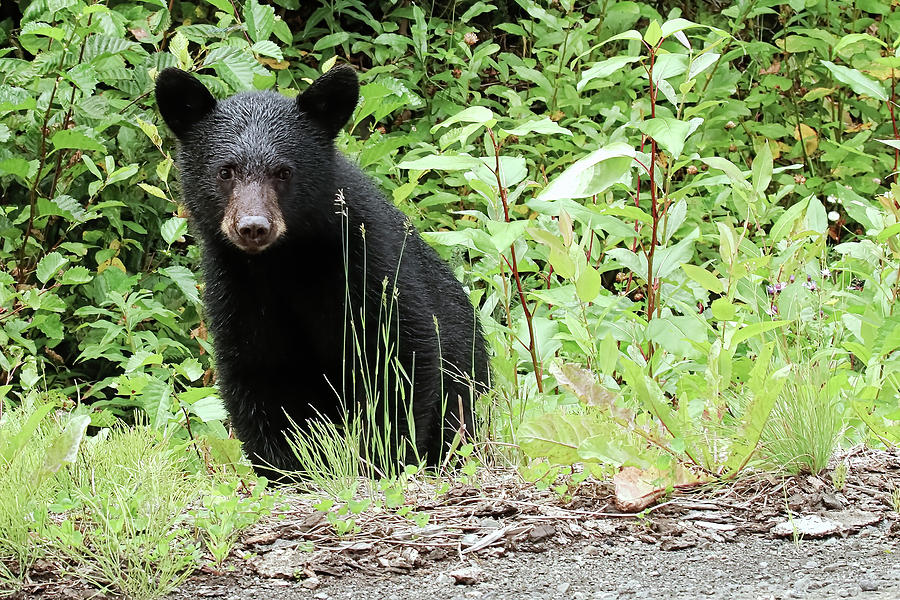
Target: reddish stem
column 514, row 267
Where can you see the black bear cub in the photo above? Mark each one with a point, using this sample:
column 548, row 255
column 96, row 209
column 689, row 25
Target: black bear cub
column 313, row 280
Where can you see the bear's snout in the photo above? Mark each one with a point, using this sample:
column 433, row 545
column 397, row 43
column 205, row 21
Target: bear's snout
column 253, row 219
column 254, row 230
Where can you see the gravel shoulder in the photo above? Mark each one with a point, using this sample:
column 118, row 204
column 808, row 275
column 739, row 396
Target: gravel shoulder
column 865, row 566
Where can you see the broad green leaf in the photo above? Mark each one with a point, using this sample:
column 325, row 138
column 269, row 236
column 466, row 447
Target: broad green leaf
column 185, row 280
column 675, row 25
column 653, row 33
column 706, row 279
column 858, row 82
column 723, row 309
column 474, row 114
column 173, row 229
column 223, row 5
column 669, row 133
column 556, row 436
column 64, row 448
column 762, row 169
column 441, row 162
column 587, row 282
column 75, row 140
column 754, row 329
column 50, row 266
column 259, row 19
column 786, row 222
column 592, row 174
column 648, row 393
column 852, row 38
column 543, row 126
column 604, row 69
column 156, row 400
column 631, row 34
column 76, row 275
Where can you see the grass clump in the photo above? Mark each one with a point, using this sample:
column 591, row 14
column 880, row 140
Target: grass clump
column 122, row 510
column 805, row 425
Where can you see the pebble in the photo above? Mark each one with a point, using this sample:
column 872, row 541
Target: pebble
column 311, row 583
column 811, row 565
column 849, row 592
column 867, row 585
column 444, row 579
column 563, row 587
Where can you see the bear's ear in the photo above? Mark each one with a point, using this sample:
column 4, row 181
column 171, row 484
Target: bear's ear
column 182, row 100
column 331, row 98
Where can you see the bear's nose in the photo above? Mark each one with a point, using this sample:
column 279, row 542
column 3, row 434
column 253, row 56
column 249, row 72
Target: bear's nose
column 254, row 229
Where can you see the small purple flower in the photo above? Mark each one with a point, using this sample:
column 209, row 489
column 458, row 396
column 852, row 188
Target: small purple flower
column 770, row 290
column 826, row 273
column 780, row 286
column 792, row 279
column 772, row 310
column 810, row 284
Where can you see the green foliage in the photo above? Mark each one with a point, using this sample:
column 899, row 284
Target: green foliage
column 660, row 221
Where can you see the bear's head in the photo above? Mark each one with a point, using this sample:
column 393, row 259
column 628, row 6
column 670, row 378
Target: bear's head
column 257, row 164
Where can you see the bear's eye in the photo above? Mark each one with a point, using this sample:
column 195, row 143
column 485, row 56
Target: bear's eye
column 283, row 174
column 226, row 173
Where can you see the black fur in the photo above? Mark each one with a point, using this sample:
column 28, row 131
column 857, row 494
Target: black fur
column 278, row 316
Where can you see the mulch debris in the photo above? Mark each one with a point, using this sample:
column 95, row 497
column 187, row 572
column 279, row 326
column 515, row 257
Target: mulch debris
column 503, row 515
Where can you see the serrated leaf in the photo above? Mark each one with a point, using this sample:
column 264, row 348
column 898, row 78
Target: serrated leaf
column 50, row 265
column 268, row 48
column 186, row 281
column 76, row 275
column 259, row 19
column 173, row 229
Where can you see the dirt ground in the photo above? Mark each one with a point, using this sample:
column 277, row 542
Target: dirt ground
column 763, row 537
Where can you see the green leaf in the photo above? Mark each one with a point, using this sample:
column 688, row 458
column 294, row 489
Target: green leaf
column 543, row 126
column 259, row 19
column 858, row 82
column 25, row 169
column 786, row 222
column 64, row 448
column 50, row 266
column 75, row 140
column 653, row 34
column 588, row 283
column 753, row 330
column 592, row 174
column 556, row 436
column 474, row 114
column 441, row 162
column 604, row 69
column 331, row 40
column 670, row 133
column 156, row 400
column 706, row 279
column 268, row 48
column 185, row 280
column 223, row 5
column 762, row 169
column 173, row 229
column 723, row 309
column 852, row 38
column 76, row 275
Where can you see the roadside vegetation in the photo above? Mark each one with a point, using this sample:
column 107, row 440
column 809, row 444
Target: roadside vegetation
column 681, row 229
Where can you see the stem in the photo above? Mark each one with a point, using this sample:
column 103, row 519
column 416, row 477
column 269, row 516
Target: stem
column 32, row 196
column 894, row 119
column 514, row 267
